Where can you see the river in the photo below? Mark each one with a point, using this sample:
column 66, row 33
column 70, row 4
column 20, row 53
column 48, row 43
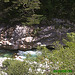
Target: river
column 19, row 54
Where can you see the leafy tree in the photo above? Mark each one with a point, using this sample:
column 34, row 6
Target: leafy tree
column 30, row 12
column 22, row 11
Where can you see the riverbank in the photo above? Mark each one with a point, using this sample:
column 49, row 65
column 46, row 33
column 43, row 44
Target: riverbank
column 21, row 37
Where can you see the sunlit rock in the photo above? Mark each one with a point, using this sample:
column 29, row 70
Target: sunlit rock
column 2, row 38
column 9, row 43
column 43, row 45
column 39, row 43
column 28, row 39
column 23, row 39
column 1, row 42
column 22, row 47
column 4, row 42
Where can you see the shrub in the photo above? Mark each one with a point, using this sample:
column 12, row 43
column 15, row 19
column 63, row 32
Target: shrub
column 15, row 67
column 59, row 59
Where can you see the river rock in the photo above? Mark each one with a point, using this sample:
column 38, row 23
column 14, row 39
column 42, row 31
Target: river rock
column 29, row 39
column 23, row 37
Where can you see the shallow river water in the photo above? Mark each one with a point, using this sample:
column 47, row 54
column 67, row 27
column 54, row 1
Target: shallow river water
column 7, row 53
column 19, row 54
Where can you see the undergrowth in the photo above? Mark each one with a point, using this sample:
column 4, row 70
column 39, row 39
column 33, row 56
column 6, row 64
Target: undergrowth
column 59, row 59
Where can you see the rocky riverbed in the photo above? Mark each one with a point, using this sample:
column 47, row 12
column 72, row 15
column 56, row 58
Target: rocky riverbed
column 25, row 37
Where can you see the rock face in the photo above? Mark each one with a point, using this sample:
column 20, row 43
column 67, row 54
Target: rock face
column 15, row 38
column 22, row 37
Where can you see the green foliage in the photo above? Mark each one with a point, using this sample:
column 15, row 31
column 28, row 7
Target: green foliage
column 45, row 51
column 6, row 0
column 19, row 11
column 6, row 63
column 64, row 56
column 71, row 38
column 30, row 12
column 64, row 9
column 16, row 67
column 57, row 45
column 34, row 19
column 59, row 59
column 20, row 68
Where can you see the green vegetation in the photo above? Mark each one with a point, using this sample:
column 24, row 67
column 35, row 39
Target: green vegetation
column 16, row 67
column 59, row 59
column 31, row 12
column 19, row 11
column 58, row 8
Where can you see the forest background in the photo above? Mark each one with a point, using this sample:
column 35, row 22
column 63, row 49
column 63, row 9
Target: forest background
column 31, row 12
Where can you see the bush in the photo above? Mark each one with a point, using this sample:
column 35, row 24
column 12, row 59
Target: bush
column 62, row 57
column 15, row 67
column 59, row 59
